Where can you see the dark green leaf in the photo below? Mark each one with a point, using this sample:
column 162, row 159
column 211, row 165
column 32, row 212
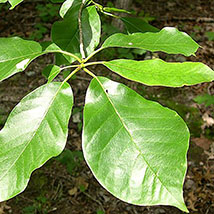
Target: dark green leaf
column 135, row 148
column 68, row 40
column 206, row 99
column 50, row 72
column 134, row 25
column 210, row 36
column 35, row 131
column 16, row 54
column 168, row 40
column 157, row 72
column 71, row 159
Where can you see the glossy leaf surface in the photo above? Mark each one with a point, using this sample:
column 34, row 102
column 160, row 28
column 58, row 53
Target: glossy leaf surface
column 65, row 7
column 35, row 131
column 13, row 3
column 135, row 148
column 169, row 40
column 49, row 47
column 16, row 54
column 91, row 26
column 134, row 25
column 157, row 72
column 71, row 6
column 68, row 40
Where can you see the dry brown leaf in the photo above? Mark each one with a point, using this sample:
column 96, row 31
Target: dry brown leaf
column 202, row 142
column 72, row 191
column 80, row 181
column 208, row 121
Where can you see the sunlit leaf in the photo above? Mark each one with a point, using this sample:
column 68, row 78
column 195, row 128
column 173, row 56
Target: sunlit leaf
column 13, row 3
column 16, row 54
column 35, row 131
column 135, row 148
column 68, row 5
column 157, row 72
column 169, row 40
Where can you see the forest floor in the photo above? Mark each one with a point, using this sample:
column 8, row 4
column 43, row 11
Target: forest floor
column 65, row 185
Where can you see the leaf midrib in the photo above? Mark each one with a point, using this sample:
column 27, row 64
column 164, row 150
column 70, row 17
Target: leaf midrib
column 134, row 143
column 23, row 56
column 181, row 44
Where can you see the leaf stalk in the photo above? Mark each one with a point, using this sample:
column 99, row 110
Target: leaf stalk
column 90, row 73
column 71, row 74
column 92, row 54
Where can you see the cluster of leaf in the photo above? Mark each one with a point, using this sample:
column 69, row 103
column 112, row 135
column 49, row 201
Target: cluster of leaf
column 135, row 147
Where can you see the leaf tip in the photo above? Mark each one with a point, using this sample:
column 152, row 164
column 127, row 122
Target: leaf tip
column 182, row 207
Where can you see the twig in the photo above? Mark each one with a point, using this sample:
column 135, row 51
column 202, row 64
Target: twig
column 81, row 33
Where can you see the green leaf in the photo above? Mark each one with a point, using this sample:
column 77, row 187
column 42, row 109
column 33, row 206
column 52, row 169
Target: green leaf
column 134, row 25
column 135, row 148
column 157, row 72
column 210, row 36
column 71, row 159
column 65, row 7
column 68, row 40
column 113, row 9
column 169, row 40
column 35, row 131
column 206, row 99
column 50, row 72
column 12, row 2
column 91, row 26
column 16, row 54
column 49, row 47
column 68, row 5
